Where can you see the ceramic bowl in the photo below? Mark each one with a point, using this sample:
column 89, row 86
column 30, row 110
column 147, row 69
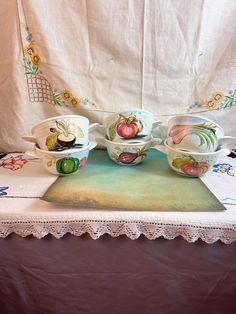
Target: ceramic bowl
column 127, row 154
column 196, row 134
column 190, row 164
column 131, row 124
column 63, row 163
column 61, row 132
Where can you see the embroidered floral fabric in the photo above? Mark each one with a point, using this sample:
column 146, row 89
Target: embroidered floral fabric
column 23, row 181
column 167, row 57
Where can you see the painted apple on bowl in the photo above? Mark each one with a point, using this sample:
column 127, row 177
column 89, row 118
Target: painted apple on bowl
column 128, row 127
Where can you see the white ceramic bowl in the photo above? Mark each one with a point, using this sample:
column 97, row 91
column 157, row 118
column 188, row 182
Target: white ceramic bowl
column 63, row 163
column 190, row 164
column 134, row 123
column 127, row 154
column 196, row 134
column 61, row 132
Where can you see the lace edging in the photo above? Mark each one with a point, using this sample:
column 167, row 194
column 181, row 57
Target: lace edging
column 132, row 230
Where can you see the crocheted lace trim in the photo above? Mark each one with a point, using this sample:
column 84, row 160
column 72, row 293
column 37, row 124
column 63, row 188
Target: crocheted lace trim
column 132, row 230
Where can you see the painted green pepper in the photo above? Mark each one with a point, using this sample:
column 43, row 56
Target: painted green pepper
column 67, row 165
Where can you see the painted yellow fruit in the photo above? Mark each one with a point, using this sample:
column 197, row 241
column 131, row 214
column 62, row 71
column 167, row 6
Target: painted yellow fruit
column 51, row 141
column 179, row 162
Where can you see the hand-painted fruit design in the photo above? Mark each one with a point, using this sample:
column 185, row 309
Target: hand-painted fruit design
column 83, row 162
column 64, row 137
column 132, row 157
column 61, row 136
column 191, row 167
column 205, row 131
column 126, row 127
column 67, row 165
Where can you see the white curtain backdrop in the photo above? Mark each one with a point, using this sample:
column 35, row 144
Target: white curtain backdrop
column 166, row 56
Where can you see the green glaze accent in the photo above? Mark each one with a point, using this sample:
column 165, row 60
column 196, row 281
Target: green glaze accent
column 149, row 186
column 207, row 135
column 67, row 165
column 80, row 132
column 112, row 130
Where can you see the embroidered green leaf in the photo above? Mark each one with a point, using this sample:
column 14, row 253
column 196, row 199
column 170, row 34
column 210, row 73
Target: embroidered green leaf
column 30, row 68
column 227, row 102
column 57, row 99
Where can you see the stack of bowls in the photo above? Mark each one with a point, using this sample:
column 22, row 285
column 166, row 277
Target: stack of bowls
column 193, row 144
column 62, row 143
column 127, row 136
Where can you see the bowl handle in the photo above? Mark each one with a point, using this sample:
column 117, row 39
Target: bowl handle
column 227, row 141
column 92, row 145
column 101, row 129
column 31, row 153
column 156, row 123
column 93, row 126
column 160, row 148
column 30, row 138
column 225, row 151
column 101, row 141
column 156, row 141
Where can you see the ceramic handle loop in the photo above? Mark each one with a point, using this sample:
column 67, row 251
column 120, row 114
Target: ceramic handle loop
column 30, row 138
column 31, row 153
column 93, row 126
column 92, row 145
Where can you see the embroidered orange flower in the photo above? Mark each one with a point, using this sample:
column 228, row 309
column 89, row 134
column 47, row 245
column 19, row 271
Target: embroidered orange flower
column 35, row 58
column 75, row 101
column 218, row 97
column 209, row 103
column 29, row 50
column 66, row 94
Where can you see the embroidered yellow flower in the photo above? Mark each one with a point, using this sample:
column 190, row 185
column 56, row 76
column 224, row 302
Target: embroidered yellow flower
column 75, row 101
column 29, row 50
column 66, row 94
column 35, row 58
column 218, row 97
column 209, row 103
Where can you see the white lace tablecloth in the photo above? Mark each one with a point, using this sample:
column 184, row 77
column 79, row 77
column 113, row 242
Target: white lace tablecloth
column 23, row 181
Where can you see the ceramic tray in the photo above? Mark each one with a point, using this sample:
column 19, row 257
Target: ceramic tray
column 149, row 186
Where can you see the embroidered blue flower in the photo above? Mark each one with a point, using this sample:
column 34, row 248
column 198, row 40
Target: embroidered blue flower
column 224, row 168
column 2, row 190
column 29, row 37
